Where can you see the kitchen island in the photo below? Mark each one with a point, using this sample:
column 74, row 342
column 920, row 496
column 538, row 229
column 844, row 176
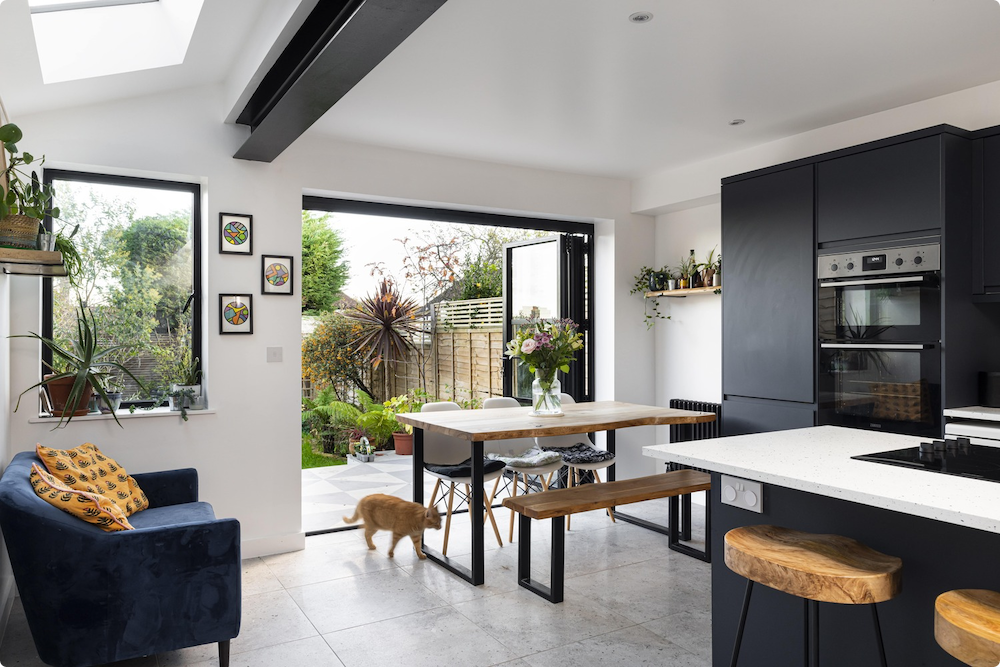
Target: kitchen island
column 945, row 528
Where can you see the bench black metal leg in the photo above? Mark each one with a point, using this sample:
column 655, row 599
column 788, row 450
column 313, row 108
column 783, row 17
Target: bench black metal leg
column 554, row 592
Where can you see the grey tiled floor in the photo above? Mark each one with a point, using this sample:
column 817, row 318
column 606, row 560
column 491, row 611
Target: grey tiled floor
column 629, row 601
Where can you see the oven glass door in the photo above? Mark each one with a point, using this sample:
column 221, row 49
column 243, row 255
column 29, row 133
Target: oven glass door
column 889, row 387
column 885, row 309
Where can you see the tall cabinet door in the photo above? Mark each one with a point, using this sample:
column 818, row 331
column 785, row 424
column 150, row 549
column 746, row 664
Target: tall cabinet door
column 768, row 318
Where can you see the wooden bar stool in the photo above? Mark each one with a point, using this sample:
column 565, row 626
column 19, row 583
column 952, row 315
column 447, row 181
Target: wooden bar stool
column 817, row 568
column 967, row 625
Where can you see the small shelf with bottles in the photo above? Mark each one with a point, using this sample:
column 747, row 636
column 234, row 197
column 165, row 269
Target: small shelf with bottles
column 685, row 291
column 16, row 261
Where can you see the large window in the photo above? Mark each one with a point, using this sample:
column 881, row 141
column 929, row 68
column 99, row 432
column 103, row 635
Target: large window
column 140, row 255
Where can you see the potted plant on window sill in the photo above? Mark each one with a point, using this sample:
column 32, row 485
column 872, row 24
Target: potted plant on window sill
column 78, row 370
column 187, row 394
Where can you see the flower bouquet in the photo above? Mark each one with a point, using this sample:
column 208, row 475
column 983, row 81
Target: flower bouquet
column 546, row 346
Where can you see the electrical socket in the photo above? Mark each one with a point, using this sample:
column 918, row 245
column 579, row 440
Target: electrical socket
column 743, row 493
column 274, row 354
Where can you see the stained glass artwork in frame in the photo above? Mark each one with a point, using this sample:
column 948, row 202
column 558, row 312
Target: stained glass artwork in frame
column 277, row 274
column 235, row 234
column 235, row 313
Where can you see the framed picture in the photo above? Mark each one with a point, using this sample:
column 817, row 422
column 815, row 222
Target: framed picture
column 276, row 274
column 235, row 313
column 235, row 234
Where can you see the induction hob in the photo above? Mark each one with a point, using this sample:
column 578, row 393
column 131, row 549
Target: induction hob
column 952, row 457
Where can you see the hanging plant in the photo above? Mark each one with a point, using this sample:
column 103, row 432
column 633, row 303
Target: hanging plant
column 651, row 306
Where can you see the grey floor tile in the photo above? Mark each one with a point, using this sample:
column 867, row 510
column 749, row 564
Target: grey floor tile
column 425, row 639
column 631, row 646
column 365, row 598
column 313, row 652
column 270, row 619
column 526, row 623
column 326, row 561
column 691, row 630
column 257, row 578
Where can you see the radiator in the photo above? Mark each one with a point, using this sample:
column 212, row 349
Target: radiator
column 703, row 431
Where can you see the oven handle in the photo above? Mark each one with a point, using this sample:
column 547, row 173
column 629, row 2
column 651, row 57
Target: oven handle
column 875, row 281
column 876, row 346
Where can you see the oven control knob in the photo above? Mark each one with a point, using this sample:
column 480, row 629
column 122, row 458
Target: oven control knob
column 918, row 260
column 899, row 261
column 850, row 266
column 834, row 267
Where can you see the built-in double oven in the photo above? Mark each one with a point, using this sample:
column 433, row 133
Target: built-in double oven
column 879, row 317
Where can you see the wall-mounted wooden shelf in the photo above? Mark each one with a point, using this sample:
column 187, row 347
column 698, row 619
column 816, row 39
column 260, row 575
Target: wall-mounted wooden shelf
column 680, row 293
column 31, row 262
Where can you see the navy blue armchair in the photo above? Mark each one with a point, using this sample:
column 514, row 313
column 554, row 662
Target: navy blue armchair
column 92, row 597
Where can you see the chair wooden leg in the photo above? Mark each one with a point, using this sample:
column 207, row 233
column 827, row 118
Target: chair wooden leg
column 434, row 494
column 224, row 654
column 447, row 521
column 493, row 494
column 489, row 514
column 510, row 538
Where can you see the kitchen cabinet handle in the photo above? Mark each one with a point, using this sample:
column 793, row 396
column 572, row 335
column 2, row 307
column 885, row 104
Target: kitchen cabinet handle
column 876, row 346
column 875, row 281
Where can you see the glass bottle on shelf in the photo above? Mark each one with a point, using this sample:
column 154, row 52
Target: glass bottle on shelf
column 696, row 275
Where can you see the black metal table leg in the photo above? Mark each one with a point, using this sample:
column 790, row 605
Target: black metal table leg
column 477, row 575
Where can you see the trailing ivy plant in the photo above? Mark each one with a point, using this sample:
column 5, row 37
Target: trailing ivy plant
column 651, row 307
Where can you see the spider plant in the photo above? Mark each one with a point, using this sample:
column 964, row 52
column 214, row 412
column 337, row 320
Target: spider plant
column 83, row 361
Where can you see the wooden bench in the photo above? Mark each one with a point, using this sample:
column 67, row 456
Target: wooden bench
column 556, row 505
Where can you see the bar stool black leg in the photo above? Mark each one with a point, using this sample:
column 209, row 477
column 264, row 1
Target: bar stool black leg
column 743, row 622
column 878, row 634
column 814, row 632
column 805, row 634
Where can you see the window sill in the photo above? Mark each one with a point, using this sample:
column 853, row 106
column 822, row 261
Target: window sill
column 123, row 414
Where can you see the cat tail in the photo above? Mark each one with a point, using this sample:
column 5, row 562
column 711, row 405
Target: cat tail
column 353, row 518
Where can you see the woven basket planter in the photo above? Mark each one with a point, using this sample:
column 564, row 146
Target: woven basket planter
column 19, row 231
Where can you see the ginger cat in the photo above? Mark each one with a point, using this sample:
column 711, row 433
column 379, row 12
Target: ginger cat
column 382, row 512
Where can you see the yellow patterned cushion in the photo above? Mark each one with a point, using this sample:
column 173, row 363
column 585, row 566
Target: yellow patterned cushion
column 90, row 506
column 86, row 467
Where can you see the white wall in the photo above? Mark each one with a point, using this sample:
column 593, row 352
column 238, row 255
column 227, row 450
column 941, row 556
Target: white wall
column 6, row 575
column 247, row 453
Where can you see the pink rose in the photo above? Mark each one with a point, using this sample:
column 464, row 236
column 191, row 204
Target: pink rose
column 528, row 346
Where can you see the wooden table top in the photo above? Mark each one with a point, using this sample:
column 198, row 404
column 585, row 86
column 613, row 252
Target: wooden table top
column 507, row 423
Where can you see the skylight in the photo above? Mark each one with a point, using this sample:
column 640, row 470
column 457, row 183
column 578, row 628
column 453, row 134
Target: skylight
column 103, row 37
column 41, row 6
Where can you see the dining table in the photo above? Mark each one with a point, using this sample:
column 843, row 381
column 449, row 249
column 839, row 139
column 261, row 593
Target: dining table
column 478, row 426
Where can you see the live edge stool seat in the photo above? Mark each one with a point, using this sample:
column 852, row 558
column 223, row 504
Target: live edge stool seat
column 816, row 568
column 558, row 504
column 92, row 597
column 967, row 625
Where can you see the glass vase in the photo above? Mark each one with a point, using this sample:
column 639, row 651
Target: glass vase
column 545, row 398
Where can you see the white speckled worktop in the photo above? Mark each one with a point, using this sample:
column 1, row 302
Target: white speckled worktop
column 818, row 460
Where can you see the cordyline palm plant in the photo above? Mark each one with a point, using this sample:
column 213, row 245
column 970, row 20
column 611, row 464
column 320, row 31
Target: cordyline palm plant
column 85, row 363
column 386, row 319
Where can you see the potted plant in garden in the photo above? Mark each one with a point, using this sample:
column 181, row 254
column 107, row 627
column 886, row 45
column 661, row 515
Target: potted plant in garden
column 379, row 422
column 402, row 437
column 78, row 370
column 365, row 450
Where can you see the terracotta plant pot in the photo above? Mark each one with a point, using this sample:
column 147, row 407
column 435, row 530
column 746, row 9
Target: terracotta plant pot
column 403, row 442
column 59, row 394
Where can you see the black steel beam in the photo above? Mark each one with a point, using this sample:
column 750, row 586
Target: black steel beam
column 337, row 46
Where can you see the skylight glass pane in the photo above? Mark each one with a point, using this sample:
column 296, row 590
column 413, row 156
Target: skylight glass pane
column 40, row 6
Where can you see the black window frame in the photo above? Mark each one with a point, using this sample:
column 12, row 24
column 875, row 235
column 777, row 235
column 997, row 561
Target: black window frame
column 574, row 301
column 197, row 325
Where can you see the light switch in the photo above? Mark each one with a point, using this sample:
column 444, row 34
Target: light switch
column 274, row 354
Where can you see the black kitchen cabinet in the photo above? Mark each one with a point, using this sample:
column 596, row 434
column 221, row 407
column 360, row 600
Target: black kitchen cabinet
column 768, row 313
column 894, row 189
column 989, row 228
column 741, row 416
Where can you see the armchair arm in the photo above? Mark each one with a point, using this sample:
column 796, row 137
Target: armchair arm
column 175, row 586
column 169, row 487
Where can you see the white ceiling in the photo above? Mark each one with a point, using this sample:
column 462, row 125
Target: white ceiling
column 571, row 85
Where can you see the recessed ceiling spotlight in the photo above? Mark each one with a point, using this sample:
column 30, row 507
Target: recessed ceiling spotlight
column 641, row 17
column 737, row 121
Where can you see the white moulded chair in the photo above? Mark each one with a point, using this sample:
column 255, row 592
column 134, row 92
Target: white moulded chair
column 441, row 449
column 513, row 447
column 567, row 441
